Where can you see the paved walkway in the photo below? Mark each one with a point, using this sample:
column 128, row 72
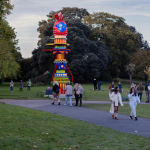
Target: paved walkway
column 98, row 117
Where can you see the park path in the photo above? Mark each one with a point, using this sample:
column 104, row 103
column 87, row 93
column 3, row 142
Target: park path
column 98, row 117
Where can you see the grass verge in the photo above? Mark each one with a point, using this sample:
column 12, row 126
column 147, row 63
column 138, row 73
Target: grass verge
column 126, row 110
column 24, row 128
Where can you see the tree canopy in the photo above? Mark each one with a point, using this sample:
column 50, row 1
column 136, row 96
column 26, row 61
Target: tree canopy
column 115, row 33
column 9, row 55
column 141, row 60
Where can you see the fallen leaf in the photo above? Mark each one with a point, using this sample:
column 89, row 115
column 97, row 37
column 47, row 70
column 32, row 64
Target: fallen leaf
column 34, row 146
column 46, row 133
column 58, row 142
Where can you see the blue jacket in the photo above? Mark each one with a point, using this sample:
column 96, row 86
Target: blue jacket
column 120, row 86
column 146, row 86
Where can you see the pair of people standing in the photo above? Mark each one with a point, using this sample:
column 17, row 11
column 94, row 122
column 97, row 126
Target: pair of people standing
column 69, row 93
column 78, row 93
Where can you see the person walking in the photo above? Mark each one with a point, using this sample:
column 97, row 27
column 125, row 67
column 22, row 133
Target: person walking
column 69, row 93
column 140, row 89
column 29, row 84
column 11, row 86
column 56, row 92
column 116, row 101
column 120, row 87
column 76, row 95
column 134, row 99
column 111, row 87
column 80, row 91
column 99, row 86
column 95, row 84
column 21, row 85
column 147, row 92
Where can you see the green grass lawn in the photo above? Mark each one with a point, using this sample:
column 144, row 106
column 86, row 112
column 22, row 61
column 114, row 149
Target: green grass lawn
column 88, row 91
column 27, row 129
column 126, row 110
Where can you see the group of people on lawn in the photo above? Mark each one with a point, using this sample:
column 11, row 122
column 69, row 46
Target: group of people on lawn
column 78, row 90
column 135, row 92
column 29, row 83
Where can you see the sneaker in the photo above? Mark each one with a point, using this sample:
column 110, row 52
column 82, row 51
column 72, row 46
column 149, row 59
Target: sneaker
column 52, row 103
column 136, row 118
column 116, row 118
column 59, row 103
column 65, row 104
column 131, row 117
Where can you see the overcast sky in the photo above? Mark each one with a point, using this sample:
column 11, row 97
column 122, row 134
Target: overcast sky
column 27, row 14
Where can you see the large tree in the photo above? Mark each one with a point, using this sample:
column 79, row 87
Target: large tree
column 115, row 33
column 86, row 60
column 141, row 60
column 9, row 55
column 143, row 43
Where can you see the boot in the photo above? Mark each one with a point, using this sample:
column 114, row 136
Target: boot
column 52, row 103
column 58, row 103
column 136, row 118
column 116, row 118
column 112, row 116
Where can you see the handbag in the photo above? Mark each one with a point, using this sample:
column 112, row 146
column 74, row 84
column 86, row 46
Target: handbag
column 112, row 108
column 78, row 92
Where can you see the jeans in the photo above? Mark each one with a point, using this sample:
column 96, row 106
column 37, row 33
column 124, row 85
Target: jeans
column 147, row 96
column 140, row 94
column 29, row 88
column 99, row 87
column 11, row 89
column 70, row 97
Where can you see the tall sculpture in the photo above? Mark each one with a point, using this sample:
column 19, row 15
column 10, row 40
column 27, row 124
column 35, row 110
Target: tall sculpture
column 60, row 63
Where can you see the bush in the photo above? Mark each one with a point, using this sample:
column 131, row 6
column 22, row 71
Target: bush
column 117, row 79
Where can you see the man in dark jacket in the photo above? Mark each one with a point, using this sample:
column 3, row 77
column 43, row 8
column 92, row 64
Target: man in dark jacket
column 147, row 92
column 95, row 84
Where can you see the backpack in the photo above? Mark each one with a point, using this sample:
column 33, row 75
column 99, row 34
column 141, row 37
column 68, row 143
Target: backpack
column 57, row 89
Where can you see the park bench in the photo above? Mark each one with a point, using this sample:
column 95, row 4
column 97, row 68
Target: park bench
column 125, row 98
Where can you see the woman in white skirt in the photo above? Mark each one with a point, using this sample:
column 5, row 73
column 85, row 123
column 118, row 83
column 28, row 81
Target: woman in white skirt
column 116, row 101
column 134, row 99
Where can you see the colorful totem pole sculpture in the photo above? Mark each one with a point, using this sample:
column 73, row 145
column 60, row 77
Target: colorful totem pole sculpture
column 60, row 63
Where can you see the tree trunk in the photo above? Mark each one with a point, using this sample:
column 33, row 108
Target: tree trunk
column 130, row 79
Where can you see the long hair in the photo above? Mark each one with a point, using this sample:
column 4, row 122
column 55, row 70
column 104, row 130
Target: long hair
column 55, row 82
column 116, row 90
column 131, row 91
column 76, row 85
column 140, row 84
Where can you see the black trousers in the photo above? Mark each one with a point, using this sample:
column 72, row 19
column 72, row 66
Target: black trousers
column 95, row 87
column 79, row 98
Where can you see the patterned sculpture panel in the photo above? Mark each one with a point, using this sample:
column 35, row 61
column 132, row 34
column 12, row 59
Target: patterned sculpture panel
column 60, row 63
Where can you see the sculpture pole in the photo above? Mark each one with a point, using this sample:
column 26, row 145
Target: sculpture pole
column 60, row 63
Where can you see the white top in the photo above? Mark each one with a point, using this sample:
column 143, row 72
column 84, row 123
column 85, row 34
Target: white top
column 133, row 98
column 116, row 98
